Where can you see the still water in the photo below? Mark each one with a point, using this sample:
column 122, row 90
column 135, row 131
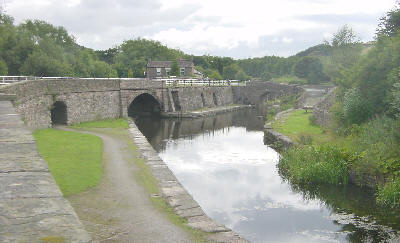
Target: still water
column 225, row 166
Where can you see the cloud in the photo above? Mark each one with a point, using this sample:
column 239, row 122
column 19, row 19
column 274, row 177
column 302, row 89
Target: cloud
column 232, row 28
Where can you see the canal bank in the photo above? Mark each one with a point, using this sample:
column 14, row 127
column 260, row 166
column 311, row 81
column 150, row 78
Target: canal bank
column 204, row 112
column 223, row 163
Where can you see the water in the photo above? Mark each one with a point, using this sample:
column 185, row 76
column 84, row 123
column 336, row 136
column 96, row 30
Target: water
column 224, row 164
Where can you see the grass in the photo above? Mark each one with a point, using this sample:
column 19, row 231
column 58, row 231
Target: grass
column 108, row 123
column 316, row 164
column 389, row 194
column 298, row 127
column 288, row 79
column 74, row 159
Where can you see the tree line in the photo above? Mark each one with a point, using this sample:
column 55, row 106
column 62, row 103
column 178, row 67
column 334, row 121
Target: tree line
column 38, row 48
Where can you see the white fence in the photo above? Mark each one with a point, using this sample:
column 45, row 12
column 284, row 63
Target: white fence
column 13, row 79
column 201, row 82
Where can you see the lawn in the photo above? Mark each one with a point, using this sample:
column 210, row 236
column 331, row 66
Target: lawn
column 108, row 123
column 74, row 159
column 297, row 126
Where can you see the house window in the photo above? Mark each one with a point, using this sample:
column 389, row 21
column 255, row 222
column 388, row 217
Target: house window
column 167, row 70
column 182, row 72
column 158, row 71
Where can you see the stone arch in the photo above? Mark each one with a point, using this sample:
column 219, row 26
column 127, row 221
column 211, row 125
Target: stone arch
column 263, row 97
column 59, row 114
column 144, row 104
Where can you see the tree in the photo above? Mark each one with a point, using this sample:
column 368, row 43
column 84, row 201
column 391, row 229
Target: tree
column 3, row 68
column 390, row 24
column 175, row 69
column 309, row 68
column 215, row 75
column 344, row 36
column 130, row 73
column 230, row 71
column 241, row 76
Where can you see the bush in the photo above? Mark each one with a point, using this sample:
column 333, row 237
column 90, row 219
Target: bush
column 321, row 164
column 389, row 194
column 355, row 108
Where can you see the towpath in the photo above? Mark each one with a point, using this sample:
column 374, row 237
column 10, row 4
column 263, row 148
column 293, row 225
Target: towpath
column 119, row 209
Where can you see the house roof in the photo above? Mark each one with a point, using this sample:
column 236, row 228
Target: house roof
column 167, row 64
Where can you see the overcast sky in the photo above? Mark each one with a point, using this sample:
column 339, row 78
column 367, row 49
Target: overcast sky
column 239, row 29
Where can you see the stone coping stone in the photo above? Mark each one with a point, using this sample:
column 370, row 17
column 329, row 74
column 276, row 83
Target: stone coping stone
column 28, row 185
column 15, row 135
column 7, row 97
column 23, row 164
column 176, row 195
column 13, row 149
column 33, row 219
column 206, row 113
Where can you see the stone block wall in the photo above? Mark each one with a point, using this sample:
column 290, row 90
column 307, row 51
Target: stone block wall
column 86, row 100
column 256, row 91
column 93, row 99
column 194, row 98
column 321, row 110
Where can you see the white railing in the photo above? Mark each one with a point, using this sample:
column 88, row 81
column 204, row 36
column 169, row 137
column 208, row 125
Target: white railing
column 13, row 79
column 201, row 82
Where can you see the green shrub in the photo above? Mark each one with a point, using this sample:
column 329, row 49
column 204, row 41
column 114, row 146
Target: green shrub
column 316, row 164
column 355, row 109
column 379, row 141
column 389, row 194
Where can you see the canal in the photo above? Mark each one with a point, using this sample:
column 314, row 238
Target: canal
column 225, row 166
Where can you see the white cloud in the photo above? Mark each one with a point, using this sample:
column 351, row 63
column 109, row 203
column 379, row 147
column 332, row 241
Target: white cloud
column 207, row 26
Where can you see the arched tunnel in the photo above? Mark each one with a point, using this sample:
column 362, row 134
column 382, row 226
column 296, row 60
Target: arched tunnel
column 59, row 113
column 144, row 105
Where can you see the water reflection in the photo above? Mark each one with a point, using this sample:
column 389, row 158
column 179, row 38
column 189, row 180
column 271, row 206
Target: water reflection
column 225, row 166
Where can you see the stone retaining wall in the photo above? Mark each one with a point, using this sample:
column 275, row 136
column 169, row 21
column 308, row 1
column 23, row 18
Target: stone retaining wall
column 321, row 110
column 32, row 207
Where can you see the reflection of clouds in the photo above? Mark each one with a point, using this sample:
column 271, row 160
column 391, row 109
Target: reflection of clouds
column 235, row 177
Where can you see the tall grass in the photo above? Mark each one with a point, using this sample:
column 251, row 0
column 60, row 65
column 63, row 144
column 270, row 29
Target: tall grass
column 316, row 164
column 389, row 194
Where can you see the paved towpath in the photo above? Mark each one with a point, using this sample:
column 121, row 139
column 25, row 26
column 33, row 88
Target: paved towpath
column 119, row 209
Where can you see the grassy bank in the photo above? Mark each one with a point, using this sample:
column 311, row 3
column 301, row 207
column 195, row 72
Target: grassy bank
column 371, row 150
column 74, row 159
column 298, row 127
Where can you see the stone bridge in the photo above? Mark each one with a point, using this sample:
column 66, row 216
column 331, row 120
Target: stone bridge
column 42, row 103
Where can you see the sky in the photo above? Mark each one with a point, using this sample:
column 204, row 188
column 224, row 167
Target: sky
column 238, row 29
